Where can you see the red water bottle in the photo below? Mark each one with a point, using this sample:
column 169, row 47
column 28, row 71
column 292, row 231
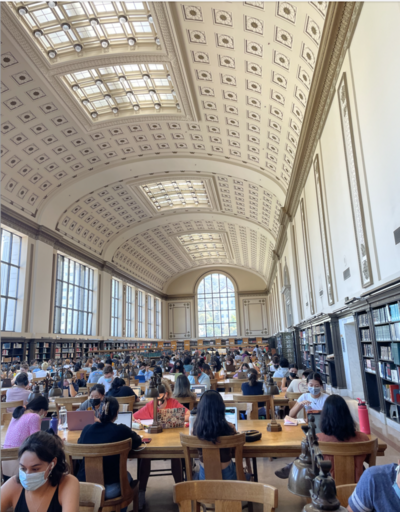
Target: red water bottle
column 363, row 417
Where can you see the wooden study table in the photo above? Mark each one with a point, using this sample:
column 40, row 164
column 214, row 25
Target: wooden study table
column 167, row 445
column 278, row 399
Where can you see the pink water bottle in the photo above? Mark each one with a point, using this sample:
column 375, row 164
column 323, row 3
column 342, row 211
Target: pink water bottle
column 363, row 417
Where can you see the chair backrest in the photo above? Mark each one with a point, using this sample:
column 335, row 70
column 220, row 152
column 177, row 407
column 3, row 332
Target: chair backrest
column 5, row 405
column 68, row 402
column 253, row 400
column 343, row 493
column 278, row 381
column 93, row 455
column 293, row 396
column 211, row 454
column 129, row 400
column 227, row 497
column 186, row 401
column 344, row 457
column 214, row 384
column 91, row 496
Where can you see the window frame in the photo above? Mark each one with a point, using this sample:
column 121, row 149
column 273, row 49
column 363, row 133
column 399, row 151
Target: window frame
column 6, row 296
column 157, row 309
column 115, row 324
column 150, row 316
column 140, row 308
column 130, row 307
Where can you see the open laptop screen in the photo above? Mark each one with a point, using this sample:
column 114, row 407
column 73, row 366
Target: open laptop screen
column 124, row 418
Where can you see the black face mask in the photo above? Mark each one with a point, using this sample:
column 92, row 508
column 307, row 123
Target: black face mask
column 293, row 375
column 160, row 402
column 276, row 366
column 94, row 402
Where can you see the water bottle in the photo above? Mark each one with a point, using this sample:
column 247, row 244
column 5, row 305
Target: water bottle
column 54, row 422
column 63, row 418
column 363, row 417
column 192, row 419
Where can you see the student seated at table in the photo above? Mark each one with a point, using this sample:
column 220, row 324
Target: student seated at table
column 71, row 385
column 378, row 490
column 146, row 413
column 178, row 367
column 20, row 391
column 299, row 385
column 103, row 432
column 337, row 426
column 107, row 378
column 95, row 373
column 24, row 368
column 314, row 399
column 291, row 377
column 26, row 420
column 43, row 472
column 274, row 363
column 95, row 402
column 187, row 364
column 243, row 368
column 200, row 378
column 210, row 424
column 145, row 371
column 283, row 369
column 119, row 389
column 228, row 364
column 182, row 388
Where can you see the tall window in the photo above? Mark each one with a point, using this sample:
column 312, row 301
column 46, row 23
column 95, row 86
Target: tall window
column 140, row 313
column 115, row 307
column 74, row 297
column 10, row 267
column 150, row 317
column 158, row 318
column 130, row 312
column 216, row 306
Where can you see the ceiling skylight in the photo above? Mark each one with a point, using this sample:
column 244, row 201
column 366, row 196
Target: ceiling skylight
column 166, row 195
column 203, row 245
column 141, row 88
column 63, row 28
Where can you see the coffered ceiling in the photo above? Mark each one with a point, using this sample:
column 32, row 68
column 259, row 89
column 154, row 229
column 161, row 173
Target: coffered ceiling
column 158, row 136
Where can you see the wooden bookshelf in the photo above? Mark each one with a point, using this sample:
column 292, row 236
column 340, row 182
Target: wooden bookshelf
column 286, row 346
column 14, row 350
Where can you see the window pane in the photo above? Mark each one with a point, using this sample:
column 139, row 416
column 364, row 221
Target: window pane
column 3, row 311
column 13, row 282
column 4, row 278
column 16, row 249
column 225, row 329
column 10, row 314
column 202, row 330
column 58, row 293
column 5, row 245
column 233, row 330
column 210, row 330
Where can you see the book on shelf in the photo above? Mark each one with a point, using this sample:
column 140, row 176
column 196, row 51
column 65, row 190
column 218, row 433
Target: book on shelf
column 386, row 352
column 395, row 331
column 389, row 371
column 382, row 332
column 394, row 312
column 380, row 315
column 389, row 392
column 363, row 320
column 395, row 352
column 6, row 345
column 368, row 350
column 369, row 364
column 365, row 335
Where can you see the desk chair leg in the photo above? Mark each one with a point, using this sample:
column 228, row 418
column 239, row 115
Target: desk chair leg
column 255, row 471
column 176, row 469
column 144, row 473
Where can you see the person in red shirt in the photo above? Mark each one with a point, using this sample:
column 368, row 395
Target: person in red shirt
column 165, row 401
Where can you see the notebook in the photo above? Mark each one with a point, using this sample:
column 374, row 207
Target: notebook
column 78, row 420
column 124, row 418
column 172, row 418
column 198, row 389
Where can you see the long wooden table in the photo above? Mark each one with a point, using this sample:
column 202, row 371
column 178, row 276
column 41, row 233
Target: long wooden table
column 167, row 445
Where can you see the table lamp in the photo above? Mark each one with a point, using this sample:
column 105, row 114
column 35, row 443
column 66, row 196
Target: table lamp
column 272, row 389
column 55, row 391
column 323, row 491
column 153, row 392
column 302, row 472
column 35, row 393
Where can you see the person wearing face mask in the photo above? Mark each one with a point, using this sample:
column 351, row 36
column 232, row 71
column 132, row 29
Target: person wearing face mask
column 314, row 399
column 43, row 483
column 95, row 400
column 108, row 377
column 26, row 420
column 165, row 401
column 283, row 368
column 289, row 378
column 299, row 385
column 103, row 432
column 378, row 490
column 119, row 389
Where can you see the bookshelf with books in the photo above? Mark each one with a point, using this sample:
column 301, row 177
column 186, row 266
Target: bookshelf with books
column 286, row 346
column 90, row 348
column 14, row 350
column 378, row 333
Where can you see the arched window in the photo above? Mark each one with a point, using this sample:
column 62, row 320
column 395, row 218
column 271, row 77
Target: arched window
column 216, row 307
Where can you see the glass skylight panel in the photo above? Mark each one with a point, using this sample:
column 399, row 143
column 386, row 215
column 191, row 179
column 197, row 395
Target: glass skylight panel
column 203, row 245
column 127, row 90
column 69, row 28
column 177, row 194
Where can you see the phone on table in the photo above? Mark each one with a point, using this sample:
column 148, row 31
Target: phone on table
column 147, row 440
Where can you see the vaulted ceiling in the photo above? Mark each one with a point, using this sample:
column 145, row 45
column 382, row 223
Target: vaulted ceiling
column 157, row 136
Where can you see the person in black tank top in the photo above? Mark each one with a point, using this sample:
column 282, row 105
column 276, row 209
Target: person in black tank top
column 43, row 483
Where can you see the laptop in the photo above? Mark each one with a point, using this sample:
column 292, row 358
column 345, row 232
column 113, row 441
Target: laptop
column 199, row 389
column 231, row 416
column 137, row 390
column 6, row 383
column 141, row 378
column 78, row 420
column 124, row 418
column 172, row 418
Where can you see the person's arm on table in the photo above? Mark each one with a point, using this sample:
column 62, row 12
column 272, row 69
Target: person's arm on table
column 68, row 494
column 300, row 404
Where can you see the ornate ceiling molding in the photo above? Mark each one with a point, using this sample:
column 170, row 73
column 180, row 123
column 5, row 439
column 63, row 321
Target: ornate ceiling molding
column 341, row 21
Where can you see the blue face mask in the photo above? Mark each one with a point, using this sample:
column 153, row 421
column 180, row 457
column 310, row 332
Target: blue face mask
column 396, row 485
column 32, row 481
column 108, row 379
column 314, row 391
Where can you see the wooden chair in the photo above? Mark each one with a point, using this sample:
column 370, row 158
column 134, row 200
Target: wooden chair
column 8, row 454
column 227, row 497
column 91, row 497
column 268, row 401
column 278, row 381
column 129, row 400
column 211, row 455
column 68, row 402
column 214, row 384
column 344, row 458
column 343, row 493
column 93, row 455
column 188, row 402
column 293, row 396
column 5, row 405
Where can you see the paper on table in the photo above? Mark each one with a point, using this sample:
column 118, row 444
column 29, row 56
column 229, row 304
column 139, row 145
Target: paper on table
column 146, row 422
column 293, row 421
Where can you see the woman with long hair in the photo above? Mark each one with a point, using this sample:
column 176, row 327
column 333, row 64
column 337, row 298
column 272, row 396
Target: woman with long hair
column 314, row 399
column 178, row 367
column 119, row 389
column 182, row 388
column 43, row 483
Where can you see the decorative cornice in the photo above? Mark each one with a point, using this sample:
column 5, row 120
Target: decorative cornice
column 29, row 228
column 341, row 21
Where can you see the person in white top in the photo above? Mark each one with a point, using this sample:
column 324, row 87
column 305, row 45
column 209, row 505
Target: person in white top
column 43, row 372
column 299, row 385
column 108, row 377
column 314, row 399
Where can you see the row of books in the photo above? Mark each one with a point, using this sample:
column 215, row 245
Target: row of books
column 44, row 345
column 368, row 350
column 363, row 320
column 394, row 312
column 365, row 335
column 395, row 331
column 321, row 348
column 320, row 338
column 389, row 371
column 382, row 332
column 318, row 329
column 370, row 365
column 386, row 352
column 391, row 392
column 380, row 315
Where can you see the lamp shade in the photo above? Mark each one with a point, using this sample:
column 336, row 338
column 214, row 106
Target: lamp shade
column 55, row 391
column 323, row 491
column 301, row 474
column 35, row 393
column 271, row 388
column 152, row 390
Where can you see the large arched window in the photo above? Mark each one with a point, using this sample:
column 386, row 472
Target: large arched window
column 216, row 307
